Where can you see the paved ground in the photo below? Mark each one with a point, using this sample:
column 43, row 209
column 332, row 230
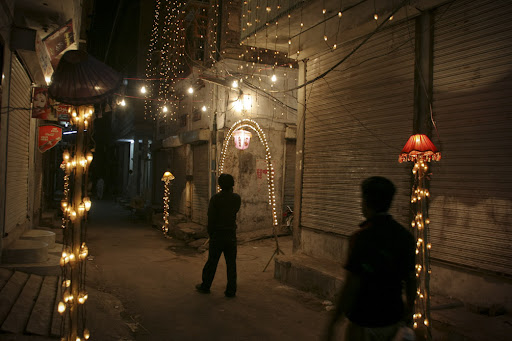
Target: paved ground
column 141, row 287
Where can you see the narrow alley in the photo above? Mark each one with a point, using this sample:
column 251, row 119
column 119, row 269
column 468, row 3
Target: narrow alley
column 154, row 278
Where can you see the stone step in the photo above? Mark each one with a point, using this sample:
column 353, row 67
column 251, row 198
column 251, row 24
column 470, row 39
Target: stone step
column 28, row 304
column 50, row 267
column 20, row 312
column 25, row 251
column 40, row 321
column 45, row 236
column 10, row 292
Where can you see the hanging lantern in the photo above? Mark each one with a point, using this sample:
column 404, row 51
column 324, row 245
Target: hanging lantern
column 419, row 147
column 242, row 139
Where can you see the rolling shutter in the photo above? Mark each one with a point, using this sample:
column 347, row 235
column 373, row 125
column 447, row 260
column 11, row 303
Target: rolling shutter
column 471, row 186
column 200, row 184
column 358, row 118
column 18, row 147
column 289, row 175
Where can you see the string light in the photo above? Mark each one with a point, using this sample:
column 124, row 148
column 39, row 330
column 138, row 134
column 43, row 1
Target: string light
column 166, row 178
column 421, row 151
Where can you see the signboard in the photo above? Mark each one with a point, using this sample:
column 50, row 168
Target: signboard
column 48, row 137
column 41, row 107
column 45, row 108
column 59, row 41
column 44, row 59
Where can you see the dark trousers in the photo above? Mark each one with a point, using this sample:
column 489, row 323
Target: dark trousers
column 226, row 245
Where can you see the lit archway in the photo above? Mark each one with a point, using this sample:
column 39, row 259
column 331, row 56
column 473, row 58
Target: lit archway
column 248, row 123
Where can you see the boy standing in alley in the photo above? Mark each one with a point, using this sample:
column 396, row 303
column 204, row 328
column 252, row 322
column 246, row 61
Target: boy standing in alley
column 222, row 211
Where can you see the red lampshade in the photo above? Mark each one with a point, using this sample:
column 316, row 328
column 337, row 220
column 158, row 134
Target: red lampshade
column 417, row 147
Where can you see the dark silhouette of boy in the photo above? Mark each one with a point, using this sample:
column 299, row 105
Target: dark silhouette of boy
column 380, row 264
column 222, row 211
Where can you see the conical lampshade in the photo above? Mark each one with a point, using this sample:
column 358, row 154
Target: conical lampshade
column 81, row 79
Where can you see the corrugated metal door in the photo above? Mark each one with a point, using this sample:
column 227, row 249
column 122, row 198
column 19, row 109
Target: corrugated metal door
column 358, row 118
column 471, row 208
column 200, row 184
column 289, row 174
column 18, row 147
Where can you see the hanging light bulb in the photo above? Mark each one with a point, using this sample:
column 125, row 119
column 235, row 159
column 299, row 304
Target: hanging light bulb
column 89, row 157
column 123, row 102
column 376, row 16
column 62, row 307
column 274, row 78
column 203, row 108
column 164, row 109
column 65, row 155
column 191, row 90
column 235, row 84
column 87, row 203
column 143, row 89
column 87, row 334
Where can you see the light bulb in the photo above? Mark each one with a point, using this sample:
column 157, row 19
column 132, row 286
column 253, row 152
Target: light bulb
column 340, row 14
column 190, row 90
column 65, row 155
column 203, row 108
column 274, row 78
column 123, row 102
column 235, row 84
column 89, row 156
column 376, row 16
column 164, row 109
column 143, row 89
column 87, row 334
column 62, row 307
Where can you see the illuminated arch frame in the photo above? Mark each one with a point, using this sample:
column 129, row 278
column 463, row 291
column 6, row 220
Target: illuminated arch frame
column 248, row 123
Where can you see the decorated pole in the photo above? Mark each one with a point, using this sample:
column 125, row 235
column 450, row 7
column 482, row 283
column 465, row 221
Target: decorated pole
column 79, row 81
column 166, row 178
column 420, row 150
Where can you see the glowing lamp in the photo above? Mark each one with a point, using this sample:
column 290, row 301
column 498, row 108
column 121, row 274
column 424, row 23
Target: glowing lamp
column 65, row 155
column 242, row 139
column 87, row 203
column 419, row 147
column 167, row 176
column 89, row 156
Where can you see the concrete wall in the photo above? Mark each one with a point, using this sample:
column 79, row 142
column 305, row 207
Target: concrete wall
column 248, row 167
column 478, row 290
column 320, row 244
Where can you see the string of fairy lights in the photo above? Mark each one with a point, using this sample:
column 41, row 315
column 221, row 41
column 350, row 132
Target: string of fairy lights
column 166, row 178
column 75, row 204
column 420, row 150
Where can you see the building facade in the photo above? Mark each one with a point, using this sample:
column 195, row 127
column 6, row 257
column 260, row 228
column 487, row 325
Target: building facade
column 372, row 74
column 23, row 168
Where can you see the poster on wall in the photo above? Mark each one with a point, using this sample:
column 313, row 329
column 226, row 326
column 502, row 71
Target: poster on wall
column 44, row 59
column 48, row 137
column 44, row 108
column 41, row 107
column 59, row 42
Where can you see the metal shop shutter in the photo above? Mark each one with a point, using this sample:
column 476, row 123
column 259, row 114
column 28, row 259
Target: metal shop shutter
column 358, row 118
column 289, row 174
column 471, row 208
column 200, row 185
column 18, row 147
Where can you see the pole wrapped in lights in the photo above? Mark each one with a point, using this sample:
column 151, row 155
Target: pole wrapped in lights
column 166, row 178
column 420, row 150
column 75, row 206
